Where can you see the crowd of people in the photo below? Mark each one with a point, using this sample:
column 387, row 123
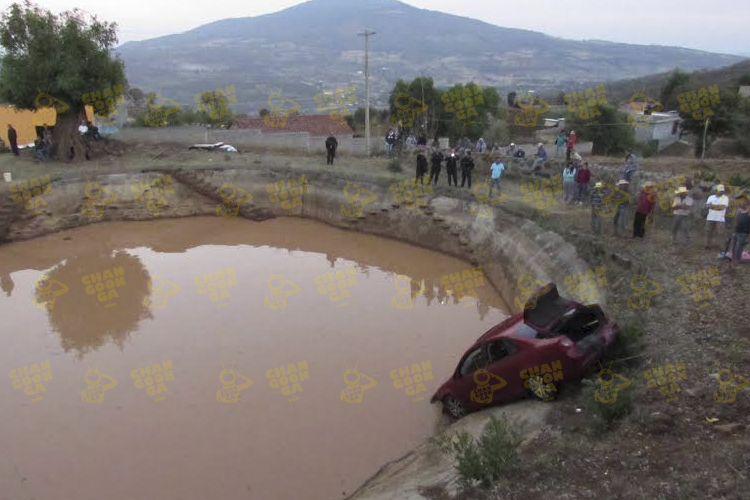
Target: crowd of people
column 43, row 145
column 576, row 178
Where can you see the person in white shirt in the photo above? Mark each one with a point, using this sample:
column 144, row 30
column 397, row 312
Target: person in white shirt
column 717, row 207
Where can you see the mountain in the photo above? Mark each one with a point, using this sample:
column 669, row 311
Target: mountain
column 314, row 46
column 651, row 85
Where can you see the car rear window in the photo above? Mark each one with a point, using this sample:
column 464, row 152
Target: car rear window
column 524, row 330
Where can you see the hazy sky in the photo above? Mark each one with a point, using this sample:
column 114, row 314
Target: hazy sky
column 715, row 26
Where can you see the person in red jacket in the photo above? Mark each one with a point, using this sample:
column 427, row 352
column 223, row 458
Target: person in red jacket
column 572, row 138
column 644, row 208
column 582, row 183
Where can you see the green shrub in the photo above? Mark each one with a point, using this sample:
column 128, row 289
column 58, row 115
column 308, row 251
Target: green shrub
column 705, row 173
column 649, row 148
column 487, row 459
column 629, row 343
column 395, row 166
column 739, row 181
column 603, row 416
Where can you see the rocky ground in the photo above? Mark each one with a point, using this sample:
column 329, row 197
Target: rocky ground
column 693, row 447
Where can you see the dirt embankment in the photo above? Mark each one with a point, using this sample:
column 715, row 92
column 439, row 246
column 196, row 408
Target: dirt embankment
column 503, row 242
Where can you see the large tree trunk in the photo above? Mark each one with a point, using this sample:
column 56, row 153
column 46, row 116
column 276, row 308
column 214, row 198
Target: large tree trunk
column 66, row 136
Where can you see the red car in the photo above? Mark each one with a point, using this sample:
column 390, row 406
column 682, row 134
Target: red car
column 552, row 341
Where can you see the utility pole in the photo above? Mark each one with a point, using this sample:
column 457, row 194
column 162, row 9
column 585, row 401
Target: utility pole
column 367, row 34
column 705, row 130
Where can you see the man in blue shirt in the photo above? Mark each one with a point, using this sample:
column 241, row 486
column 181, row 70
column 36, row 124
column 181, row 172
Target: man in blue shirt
column 541, row 156
column 497, row 170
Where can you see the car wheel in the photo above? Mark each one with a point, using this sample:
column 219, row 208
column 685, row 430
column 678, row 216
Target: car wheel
column 454, row 407
column 540, row 389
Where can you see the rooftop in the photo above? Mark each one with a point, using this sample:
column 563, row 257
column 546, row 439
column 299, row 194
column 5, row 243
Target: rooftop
column 315, row 125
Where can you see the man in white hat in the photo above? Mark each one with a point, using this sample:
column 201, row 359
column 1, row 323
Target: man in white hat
column 717, row 208
column 682, row 206
column 622, row 208
column 596, row 201
column 540, row 157
column 512, row 149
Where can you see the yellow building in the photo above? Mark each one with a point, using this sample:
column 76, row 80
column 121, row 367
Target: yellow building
column 24, row 122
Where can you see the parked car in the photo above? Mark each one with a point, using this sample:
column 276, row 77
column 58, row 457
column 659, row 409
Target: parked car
column 529, row 354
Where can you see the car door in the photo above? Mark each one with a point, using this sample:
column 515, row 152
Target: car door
column 506, row 361
column 463, row 381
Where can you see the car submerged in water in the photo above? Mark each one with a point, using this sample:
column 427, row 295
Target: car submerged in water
column 530, row 354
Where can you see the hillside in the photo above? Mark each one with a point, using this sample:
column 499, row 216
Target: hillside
column 622, row 90
column 315, row 45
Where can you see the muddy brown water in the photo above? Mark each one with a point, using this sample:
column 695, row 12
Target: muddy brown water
column 197, row 358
